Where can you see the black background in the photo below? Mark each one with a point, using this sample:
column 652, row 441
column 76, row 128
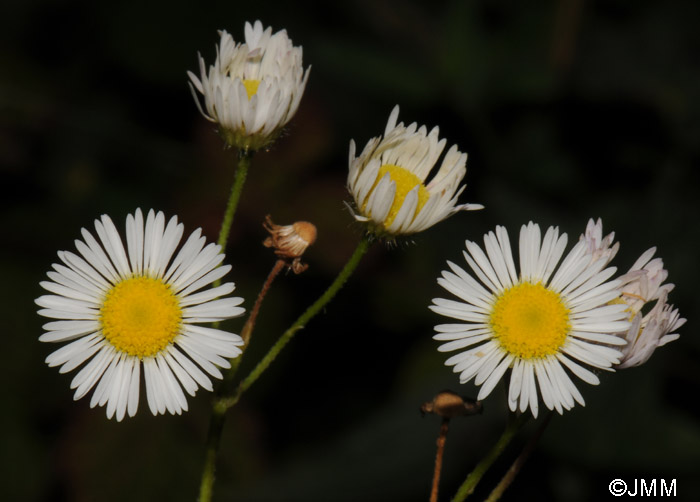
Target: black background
column 568, row 110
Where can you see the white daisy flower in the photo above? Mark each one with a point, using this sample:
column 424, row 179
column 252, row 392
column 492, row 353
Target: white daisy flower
column 254, row 88
column 643, row 284
column 536, row 322
column 137, row 309
column 388, row 180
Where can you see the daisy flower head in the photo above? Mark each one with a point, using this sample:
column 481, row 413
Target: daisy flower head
column 537, row 320
column 388, row 180
column 127, row 311
column 253, row 88
column 642, row 285
column 650, row 331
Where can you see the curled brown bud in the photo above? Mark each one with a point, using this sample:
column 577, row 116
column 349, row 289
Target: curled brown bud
column 290, row 241
column 447, row 404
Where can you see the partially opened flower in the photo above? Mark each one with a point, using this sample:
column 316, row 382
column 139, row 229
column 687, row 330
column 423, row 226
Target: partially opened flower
column 390, row 185
column 537, row 322
column 253, row 88
column 643, row 284
column 649, row 332
column 137, row 309
column 599, row 246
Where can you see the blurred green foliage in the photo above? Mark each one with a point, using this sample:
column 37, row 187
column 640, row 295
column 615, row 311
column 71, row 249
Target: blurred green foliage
column 568, row 110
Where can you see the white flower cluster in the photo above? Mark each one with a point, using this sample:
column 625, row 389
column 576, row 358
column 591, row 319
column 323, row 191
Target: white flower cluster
column 641, row 285
column 553, row 313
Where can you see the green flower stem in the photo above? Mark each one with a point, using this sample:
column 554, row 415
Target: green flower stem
column 475, row 476
column 216, row 423
column 244, row 157
column 519, row 462
column 216, row 426
column 223, row 403
column 314, row 309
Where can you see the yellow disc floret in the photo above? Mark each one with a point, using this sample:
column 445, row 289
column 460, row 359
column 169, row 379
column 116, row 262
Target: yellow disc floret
column 251, row 87
column 405, row 182
column 140, row 316
column 632, row 312
column 530, row 321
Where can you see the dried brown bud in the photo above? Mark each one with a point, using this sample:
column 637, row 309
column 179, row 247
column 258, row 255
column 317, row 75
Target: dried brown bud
column 290, row 241
column 447, row 404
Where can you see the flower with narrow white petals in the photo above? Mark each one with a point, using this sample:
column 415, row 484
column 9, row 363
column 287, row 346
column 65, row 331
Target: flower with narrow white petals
column 599, row 246
column 253, row 88
column 649, row 332
column 643, row 284
column 535, row 321
column 388, row 180
column 130, row 310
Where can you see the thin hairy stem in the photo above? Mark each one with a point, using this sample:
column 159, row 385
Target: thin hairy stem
column 519, row 462
column 223, row 402
column 216, row 426
column 475, row 476
column 442, row 438
column 244, row 158
column 249, row 325
column 309, row 314
column 216, row 423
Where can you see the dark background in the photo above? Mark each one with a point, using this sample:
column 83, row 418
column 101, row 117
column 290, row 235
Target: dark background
column 568, row 110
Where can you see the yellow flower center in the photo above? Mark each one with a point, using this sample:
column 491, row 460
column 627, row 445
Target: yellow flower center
column 530, row 321
column 632, row 312
column 140, row 316
column 405, row 182
column 620, row 301
column 251, row 87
